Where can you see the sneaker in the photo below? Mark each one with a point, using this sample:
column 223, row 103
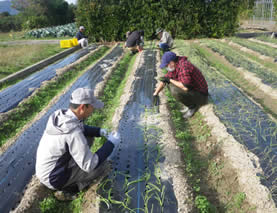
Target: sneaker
column 64, row 196
column 190, row 112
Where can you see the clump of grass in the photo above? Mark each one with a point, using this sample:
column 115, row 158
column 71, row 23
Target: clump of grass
column 52, row 205
column 14, row 58
column 26, row 111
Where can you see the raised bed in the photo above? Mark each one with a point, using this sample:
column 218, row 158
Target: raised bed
column 239, row 60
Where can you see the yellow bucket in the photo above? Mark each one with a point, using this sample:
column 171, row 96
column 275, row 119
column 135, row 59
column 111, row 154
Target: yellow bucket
column 65, row 44
column 74, row 42
column 69, row 43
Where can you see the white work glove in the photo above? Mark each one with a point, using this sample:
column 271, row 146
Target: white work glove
column 104, row 133
column 114, row 137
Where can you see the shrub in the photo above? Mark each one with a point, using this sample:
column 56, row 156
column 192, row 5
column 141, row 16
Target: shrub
column 111, row 19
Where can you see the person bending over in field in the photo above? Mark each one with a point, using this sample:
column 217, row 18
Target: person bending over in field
column 64, row 160
column 82, row 39
column 135, row 41
column 185, row 81
column 166, row 41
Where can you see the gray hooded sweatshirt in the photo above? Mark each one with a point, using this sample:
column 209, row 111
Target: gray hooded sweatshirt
column 62, row 146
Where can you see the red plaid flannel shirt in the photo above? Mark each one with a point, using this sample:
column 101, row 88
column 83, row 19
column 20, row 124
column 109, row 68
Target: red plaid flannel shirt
column 189, row 75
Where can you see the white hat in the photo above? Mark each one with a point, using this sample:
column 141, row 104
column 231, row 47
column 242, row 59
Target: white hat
column 85, row 96
column 81, row 28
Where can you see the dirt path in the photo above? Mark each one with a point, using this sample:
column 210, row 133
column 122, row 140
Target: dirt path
column 29, row 42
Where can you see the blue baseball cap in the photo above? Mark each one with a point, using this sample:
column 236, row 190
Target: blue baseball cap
column 167, row 57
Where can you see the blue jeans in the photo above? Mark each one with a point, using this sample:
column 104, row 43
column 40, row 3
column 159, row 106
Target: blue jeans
column 164, row 47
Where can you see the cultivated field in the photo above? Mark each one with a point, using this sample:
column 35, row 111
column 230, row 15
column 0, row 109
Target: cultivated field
column 221, row 160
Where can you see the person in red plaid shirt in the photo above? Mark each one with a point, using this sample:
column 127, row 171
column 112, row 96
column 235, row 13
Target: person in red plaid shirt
column 185, row 81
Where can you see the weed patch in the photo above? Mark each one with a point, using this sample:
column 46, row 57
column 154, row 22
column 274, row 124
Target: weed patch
column 193, row 165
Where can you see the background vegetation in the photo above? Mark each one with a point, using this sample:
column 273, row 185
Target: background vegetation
column 110, row 19
column 36, row 14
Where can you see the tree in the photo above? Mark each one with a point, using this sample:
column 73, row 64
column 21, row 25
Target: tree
column 42, row 13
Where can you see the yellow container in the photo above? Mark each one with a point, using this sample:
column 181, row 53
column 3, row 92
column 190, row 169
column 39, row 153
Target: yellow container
column 74, row 42
column 66, row 44
column 69, row 43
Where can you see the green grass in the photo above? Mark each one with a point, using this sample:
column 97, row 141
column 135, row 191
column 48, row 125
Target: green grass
column 15, row 58
column 238, row 59
column 204, row 170
column 235, row 77
column 52, row 205
column 20, row 35
column 272, row 66
column 111, row 97
column 25, row 112
column 267, row 39
column 260, row 48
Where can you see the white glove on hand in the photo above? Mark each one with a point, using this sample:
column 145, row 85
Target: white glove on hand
column 104, row 133
column 114, row 137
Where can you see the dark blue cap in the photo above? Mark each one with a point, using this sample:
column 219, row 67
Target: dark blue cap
column 167, row 57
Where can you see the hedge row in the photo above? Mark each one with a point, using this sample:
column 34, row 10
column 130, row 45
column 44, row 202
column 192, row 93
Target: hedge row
column 110, row 19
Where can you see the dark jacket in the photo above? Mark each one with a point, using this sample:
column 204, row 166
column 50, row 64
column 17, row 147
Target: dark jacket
column 135, row 38
column 80, row 35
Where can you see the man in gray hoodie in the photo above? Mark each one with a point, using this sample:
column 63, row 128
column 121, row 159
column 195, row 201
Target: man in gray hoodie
column 64, row 160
